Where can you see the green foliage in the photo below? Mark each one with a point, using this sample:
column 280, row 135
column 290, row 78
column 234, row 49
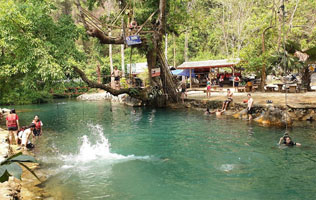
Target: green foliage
column 36, row 50
column 40, row 41
column 144, row 77
column 134, row 91
column 123, row 83
column 9, row 167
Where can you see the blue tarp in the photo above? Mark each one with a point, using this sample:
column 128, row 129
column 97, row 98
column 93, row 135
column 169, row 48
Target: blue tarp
column 183, row 72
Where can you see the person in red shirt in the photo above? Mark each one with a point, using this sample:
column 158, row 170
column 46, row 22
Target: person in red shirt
column 12, row 122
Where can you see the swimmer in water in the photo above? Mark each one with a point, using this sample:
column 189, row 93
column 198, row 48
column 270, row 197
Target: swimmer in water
column 286, row 140
column 207, row 112
column 219, row 112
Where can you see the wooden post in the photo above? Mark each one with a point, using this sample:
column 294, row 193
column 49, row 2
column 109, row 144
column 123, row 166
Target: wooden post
column 263, row 70
column 233, row 69
column 130, row 67
column 186, row 45
column 111, row 61
column 174, row 50
column 190, row 78
column 123, row 62
column 122, row 50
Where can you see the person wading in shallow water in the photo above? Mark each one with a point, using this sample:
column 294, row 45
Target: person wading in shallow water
column 12, row 122
column 38, row 127
column 286, row 140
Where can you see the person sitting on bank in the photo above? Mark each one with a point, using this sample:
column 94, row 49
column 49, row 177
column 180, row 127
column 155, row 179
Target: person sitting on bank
column 12, row 122
column 229, row 99
column 38, row 127
column 116, row 73
column 286, row 140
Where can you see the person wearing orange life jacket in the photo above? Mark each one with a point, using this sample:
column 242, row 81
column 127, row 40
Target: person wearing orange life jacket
column 38, row 126
column 12, row 122
column 37, row 131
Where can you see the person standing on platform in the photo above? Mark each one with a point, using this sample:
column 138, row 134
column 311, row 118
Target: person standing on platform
column 12, row 122
column 116, row 73
column 236, row 80
column 250, row 107
column 208, row 88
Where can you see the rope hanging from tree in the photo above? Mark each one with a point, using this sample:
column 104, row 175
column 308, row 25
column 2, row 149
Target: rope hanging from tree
column 285, row 70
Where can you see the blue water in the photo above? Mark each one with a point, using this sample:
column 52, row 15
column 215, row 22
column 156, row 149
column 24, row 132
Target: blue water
column 99, row 150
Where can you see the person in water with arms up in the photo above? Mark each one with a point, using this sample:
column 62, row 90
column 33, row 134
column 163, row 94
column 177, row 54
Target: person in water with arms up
column 287, row 141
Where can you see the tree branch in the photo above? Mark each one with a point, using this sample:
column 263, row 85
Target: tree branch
column 94, row 32
column 137, row 93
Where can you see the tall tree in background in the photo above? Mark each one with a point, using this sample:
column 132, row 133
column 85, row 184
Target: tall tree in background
column 152, row 48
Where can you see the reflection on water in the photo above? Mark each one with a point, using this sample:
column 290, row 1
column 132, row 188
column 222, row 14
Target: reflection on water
column 98, row 150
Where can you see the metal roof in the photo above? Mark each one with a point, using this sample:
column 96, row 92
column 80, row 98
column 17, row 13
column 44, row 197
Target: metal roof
column 209, row 64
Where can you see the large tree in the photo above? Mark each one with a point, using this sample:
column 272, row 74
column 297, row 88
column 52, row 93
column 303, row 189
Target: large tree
column 151, row 46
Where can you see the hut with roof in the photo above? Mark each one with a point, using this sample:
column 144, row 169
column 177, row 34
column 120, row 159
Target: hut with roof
column 210, row 68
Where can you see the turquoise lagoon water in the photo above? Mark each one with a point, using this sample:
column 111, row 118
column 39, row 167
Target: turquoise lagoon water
column 99, row 150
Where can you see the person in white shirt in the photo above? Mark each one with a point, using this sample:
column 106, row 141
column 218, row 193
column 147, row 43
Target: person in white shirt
column 25, row 136
column 250, row 110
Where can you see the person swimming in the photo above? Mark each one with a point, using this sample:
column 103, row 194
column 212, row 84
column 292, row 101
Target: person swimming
column 286, row 140
column 219, row 112
column 207, row 111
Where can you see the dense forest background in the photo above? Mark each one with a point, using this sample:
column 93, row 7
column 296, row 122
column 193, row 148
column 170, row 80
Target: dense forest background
column 41, row 40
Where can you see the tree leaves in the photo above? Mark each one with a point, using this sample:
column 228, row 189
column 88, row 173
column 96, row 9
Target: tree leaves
column 9, row 166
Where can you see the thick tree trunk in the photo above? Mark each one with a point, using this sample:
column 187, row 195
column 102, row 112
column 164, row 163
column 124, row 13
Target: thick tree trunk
column 263, row 71
column 306, row 78
column 151, row 56
column 186, row 45
column 169, row 85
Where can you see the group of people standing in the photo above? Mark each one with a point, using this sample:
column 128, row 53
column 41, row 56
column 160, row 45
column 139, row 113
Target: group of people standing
column 22, row 135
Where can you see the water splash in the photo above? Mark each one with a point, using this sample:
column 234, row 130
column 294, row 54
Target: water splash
column 99, row 151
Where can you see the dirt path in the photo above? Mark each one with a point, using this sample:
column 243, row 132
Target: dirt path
column 308, row 98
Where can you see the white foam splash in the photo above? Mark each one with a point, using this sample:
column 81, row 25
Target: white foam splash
column 227, row 167
column 99, row 151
